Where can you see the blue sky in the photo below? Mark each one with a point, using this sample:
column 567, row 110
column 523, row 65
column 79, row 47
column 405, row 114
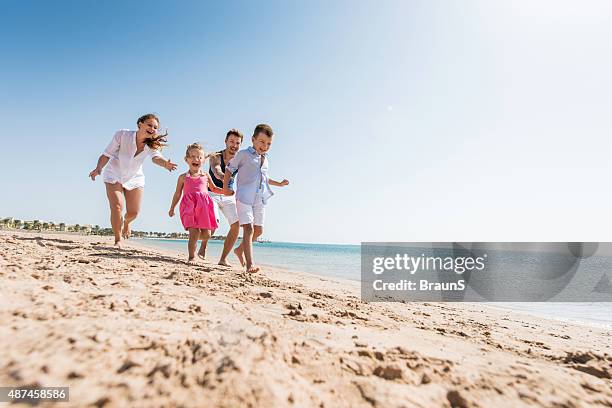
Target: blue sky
column 395, row 120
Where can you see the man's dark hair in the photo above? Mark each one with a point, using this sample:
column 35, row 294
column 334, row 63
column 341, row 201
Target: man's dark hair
column 234, row 132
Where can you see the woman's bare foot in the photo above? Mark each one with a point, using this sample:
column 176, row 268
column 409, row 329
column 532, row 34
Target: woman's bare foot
column 191, row 261
column 223, row 262
column 118, row 244
column 240, row 255
column 126, row 232
column 253, row 269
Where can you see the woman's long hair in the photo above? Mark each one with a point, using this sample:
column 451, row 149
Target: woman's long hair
column 156, row 142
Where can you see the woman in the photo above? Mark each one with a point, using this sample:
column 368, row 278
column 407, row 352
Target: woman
column 123, row 176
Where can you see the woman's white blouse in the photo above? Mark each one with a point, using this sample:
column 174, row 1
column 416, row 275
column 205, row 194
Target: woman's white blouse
column 123, row 167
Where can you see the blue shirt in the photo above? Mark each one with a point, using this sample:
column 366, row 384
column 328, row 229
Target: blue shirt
column 252, row 175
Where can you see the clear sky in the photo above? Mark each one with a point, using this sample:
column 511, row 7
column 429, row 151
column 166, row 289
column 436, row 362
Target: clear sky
column 395, row 120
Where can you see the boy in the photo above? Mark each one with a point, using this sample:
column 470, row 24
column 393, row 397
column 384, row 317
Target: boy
column 252, row 189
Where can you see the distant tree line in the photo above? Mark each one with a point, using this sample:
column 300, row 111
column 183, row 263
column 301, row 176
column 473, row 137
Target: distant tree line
column 10, row 223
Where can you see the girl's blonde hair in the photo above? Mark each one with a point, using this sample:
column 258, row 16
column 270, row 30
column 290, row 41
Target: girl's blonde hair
column 197, row 146
column 193, row 146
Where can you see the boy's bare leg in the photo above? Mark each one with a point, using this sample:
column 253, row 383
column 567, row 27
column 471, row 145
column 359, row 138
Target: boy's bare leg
column 133, row 198
column 257, row 231
column 114, row 192
column 204, row 236
column 239, row 252
column 247, row 243
column 230, row 240
column 194, row 234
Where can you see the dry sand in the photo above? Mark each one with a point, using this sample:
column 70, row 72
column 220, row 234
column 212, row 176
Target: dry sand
column 140, row 327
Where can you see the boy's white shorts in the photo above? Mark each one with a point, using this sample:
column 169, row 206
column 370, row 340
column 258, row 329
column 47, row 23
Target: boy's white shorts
column 227, row 206
column 251, row 214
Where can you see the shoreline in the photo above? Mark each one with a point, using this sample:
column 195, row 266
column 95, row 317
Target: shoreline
column 548, row 316
column 156, row 331
column 543, row 315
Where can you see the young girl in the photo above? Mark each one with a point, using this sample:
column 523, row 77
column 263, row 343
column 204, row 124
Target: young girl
column 197, row 208
column 123, row 176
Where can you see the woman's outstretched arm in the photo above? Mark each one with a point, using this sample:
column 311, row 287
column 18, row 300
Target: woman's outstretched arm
column 111, row 151
column 102, row 160
column 166, row 164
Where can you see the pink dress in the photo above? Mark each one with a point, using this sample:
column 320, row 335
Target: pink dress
column 197, row 208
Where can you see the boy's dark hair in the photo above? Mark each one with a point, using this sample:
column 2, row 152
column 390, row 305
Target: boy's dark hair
column 234, row 132
column 263, row 128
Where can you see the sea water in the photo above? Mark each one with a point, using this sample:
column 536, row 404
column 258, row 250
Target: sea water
column 344, row 262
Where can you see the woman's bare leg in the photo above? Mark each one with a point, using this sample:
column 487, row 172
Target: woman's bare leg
column 204, row 236
column 133, row 198
column 114, row 192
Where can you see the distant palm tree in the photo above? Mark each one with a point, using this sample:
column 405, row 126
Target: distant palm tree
column 18, row 224
column 45, row 226
column 36, row 225
column 62, row 226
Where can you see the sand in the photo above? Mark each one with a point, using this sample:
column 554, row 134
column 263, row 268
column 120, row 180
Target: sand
column 140, row 327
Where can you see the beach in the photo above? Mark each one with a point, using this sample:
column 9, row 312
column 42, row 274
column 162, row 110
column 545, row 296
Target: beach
column 140, row 327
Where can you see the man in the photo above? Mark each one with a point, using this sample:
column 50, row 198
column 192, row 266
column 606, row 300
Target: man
column 226, row 204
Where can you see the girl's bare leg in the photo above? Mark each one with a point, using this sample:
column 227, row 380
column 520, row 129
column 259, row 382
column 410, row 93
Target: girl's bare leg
column 194, row 235
column 204, row 236
column 133, row 198
column 114, row 192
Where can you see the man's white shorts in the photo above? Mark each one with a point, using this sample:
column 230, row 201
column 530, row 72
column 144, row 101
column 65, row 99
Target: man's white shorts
column 252, row 214
column 227, row 206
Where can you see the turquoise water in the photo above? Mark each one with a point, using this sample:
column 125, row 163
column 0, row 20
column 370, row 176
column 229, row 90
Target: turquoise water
column 337, row 261
column 344, row 261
